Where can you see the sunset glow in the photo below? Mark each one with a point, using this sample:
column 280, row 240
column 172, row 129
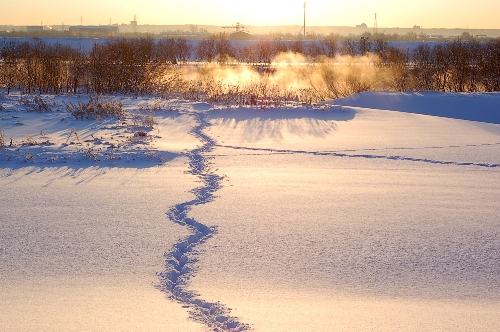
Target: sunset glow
column 391, row 13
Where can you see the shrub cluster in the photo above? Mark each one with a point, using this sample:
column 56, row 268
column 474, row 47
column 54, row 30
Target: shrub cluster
column 333, row 68
column 95, row 108
column 118, row 66
column 37, row 104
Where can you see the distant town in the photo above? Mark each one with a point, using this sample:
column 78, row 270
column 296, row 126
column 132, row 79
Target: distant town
column 239, row 31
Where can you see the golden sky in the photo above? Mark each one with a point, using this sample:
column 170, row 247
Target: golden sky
column 391, row 13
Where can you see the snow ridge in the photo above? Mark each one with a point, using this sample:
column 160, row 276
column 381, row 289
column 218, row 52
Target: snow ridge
column 181, row 260
column 370, row 156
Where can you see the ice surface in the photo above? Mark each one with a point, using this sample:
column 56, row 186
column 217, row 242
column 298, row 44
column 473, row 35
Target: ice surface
column 86, row 44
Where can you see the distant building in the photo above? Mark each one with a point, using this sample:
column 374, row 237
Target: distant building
column 241, row 35
column 34, row 28
column 417, row 27
column 438, row 38
column 93, row 30
column 362, row 26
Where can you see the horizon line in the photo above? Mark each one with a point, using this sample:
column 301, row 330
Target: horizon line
column 415, row 27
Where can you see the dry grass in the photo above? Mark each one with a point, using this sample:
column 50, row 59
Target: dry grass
column 35, row 104
column 143, row 120
column 253, row 93
column 28, row 156
column 96, row 108
column 90, row 152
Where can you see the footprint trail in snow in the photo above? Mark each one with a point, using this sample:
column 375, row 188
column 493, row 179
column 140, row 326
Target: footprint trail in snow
column 180, row 261
column 366, row 156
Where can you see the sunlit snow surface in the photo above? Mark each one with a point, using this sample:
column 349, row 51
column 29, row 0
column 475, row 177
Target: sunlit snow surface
column 342, row 218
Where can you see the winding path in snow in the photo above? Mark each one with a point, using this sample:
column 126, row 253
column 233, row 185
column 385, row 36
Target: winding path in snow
column 182, row 258
column 368, row 156
column 180, row 261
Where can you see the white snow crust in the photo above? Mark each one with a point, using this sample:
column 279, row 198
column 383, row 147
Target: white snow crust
column 377, row 212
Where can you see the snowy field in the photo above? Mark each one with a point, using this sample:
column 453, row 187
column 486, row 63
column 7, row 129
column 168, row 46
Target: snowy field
column 376, row 212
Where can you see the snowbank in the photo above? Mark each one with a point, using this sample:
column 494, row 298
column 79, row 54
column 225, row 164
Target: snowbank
column 482, row 107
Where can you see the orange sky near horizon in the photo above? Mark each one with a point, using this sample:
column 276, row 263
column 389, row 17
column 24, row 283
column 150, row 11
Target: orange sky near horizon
column 480, row 14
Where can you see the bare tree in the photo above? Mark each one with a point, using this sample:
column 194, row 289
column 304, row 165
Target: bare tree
column 224, row 50
column 442, row 65
column 398, row 60
column 460, row 71
column 424, row 70
column 488, row 65
column 381, row 49
column 9, row 71
column 329, row 46
column 206, row 50
column 349, row 46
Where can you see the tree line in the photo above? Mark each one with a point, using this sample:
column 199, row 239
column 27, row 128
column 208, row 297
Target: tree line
column 146, row 66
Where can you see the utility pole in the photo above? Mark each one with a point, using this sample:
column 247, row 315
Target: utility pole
column 305, row 6
column 134, row 24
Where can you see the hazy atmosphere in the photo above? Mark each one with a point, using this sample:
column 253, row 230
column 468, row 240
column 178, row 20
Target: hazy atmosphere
column 218, row 166
column 481, row 14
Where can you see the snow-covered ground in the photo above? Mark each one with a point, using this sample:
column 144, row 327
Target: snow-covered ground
column 378, row 212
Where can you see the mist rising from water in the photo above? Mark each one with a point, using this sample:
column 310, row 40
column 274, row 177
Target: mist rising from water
column 293, row 74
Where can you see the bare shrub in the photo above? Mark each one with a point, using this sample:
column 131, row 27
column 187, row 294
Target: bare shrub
column 145, row 66
column 73, row 133
column 489, row 66
column 96, row 108
column 167, row 51
column 9, row 65
column 255, row 93
column 297, row 47
column 424, row 70
column 206, row 50
column 28, row 156
column 90, row 153
column 339, row 85
column 30, row 141
column 340, row 77
column 329, row 46
column 154, row 105
column 37, row 104
column 350, row 47
column 400, row 77
column 463, row 71
column 169, row 80
column 144, row 121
